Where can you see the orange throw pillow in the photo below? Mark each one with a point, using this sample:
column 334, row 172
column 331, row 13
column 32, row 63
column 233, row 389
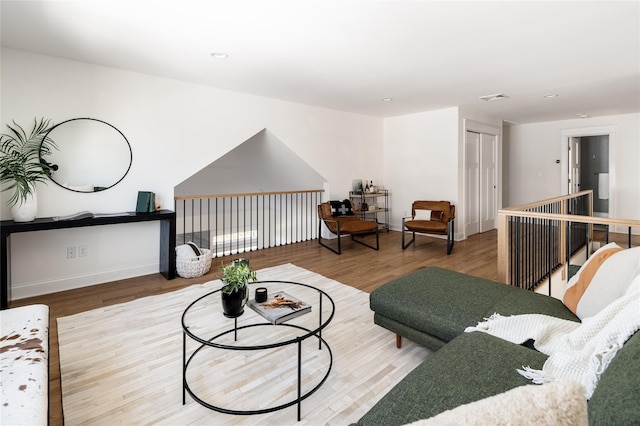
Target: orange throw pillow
column 579, row 284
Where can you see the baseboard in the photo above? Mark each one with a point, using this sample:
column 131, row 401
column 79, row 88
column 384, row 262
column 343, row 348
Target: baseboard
column 70, row 283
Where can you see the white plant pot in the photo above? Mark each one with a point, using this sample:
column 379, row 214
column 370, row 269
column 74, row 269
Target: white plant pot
column 27, row 210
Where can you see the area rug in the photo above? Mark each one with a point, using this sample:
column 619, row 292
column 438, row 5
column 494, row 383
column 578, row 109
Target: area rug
column 122, row 364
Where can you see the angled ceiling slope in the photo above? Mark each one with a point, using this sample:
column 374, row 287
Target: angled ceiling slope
column 260, row 164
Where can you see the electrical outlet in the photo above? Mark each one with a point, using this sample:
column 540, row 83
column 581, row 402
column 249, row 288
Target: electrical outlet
column 71, row 252
column 82, row 251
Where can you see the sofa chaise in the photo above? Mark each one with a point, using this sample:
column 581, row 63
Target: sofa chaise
column 434, row 306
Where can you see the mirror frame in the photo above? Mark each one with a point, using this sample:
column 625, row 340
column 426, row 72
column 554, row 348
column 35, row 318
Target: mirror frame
column 42, row 159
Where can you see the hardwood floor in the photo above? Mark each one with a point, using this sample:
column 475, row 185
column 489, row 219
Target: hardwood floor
column 358, row 266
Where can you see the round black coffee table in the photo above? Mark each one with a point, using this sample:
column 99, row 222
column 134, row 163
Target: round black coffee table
column 216, row 336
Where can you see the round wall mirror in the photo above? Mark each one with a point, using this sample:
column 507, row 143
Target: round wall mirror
column 92, row 155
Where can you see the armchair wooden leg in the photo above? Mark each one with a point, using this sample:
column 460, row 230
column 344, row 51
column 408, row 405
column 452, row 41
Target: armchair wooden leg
column 398, row 341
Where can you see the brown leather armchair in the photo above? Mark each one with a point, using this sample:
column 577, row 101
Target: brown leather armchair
column 341, row 220
column 430, row 217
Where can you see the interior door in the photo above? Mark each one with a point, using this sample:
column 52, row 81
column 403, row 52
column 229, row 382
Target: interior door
column 481, row 159
column 472, row 192
column 574, row 165
column 488, row 181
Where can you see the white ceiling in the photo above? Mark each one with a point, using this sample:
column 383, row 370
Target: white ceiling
column 347, row 55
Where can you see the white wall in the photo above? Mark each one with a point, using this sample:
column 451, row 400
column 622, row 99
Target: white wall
column 424, row 159
column 534, row 149
column 174, row 129
column 420, row 160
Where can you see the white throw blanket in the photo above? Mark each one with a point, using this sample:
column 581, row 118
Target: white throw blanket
column 577, row 351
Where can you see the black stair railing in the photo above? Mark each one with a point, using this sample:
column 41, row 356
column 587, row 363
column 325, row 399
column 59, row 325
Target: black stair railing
column 238, row 223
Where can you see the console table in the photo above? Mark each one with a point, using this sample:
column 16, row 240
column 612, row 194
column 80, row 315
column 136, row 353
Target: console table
column 167, row 220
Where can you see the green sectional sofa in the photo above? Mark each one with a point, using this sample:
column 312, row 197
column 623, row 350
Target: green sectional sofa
column 433, row 306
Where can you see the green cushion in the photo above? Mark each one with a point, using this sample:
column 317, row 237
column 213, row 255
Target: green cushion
column 471, row 367
column 522, row 301
column 616, row 400
column 436, row 301
column 424, row 339
column 443, row 303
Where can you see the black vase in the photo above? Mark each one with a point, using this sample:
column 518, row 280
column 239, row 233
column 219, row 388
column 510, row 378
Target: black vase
column 233, row 303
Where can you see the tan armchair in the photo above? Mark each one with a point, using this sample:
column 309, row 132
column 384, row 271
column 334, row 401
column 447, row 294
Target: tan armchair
column 340, row 220
column 430, row 217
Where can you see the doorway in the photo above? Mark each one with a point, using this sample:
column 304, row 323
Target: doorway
column 481, row 164
column 589, row 169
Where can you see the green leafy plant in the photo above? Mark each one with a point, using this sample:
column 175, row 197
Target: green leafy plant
column 236, row 275
column 20, row 164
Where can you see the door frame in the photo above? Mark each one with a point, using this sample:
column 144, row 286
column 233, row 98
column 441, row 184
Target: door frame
column 589, row 131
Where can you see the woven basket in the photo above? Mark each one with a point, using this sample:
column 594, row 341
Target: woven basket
column 191, row 267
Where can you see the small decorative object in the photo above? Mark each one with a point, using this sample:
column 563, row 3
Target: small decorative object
column 146, row 202
column 234, row 293
column 356, row 186
column 261, row 294
column 22, row 167
column 27, row 210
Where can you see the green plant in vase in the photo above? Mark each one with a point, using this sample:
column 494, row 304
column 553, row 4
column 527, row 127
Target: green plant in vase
column 234, row 292
column 21, row 166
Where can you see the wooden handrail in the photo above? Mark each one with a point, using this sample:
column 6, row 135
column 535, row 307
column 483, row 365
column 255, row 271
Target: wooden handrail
column 541, row 203
column 245, row 194
column 574, row 218
column 560, row 220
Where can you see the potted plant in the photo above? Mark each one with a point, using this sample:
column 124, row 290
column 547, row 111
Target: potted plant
column 21, row 166
column 234, row 293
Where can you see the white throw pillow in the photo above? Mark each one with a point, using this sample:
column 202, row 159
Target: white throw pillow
column 188, row 251
column 422, row 215
column 634, row 286
column 603, row 278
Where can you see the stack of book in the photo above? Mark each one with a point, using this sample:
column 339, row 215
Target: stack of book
column 280, row 307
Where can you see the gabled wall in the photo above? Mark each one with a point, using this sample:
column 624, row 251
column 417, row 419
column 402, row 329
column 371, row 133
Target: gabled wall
column 262, row 163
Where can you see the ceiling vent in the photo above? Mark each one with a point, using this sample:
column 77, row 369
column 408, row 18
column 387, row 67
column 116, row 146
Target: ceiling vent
column 495, row 97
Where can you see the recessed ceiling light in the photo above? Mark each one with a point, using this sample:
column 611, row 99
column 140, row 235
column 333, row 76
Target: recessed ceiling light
column 220, row 55
column 582, row 115
column 495, row 97
column 551, row 95
column 386, row 99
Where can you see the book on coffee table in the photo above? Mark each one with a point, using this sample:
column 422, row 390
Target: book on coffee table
column 280, row 307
